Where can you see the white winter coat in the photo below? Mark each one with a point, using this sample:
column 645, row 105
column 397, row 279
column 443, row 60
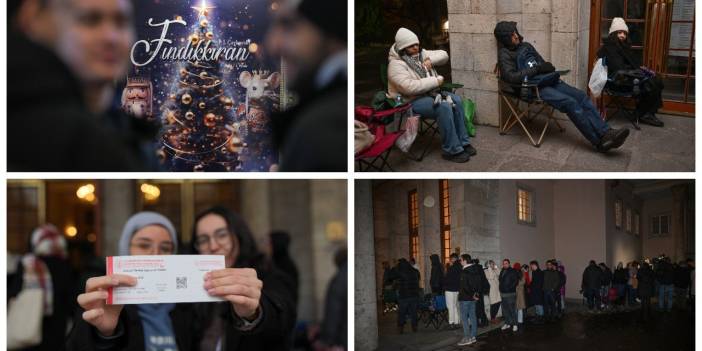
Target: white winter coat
column 493, row 277
column 404, row 80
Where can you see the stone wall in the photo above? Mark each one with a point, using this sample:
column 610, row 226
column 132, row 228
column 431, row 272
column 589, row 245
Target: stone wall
column 558, row 29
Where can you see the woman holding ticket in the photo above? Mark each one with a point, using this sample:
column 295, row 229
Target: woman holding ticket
column 254, row 315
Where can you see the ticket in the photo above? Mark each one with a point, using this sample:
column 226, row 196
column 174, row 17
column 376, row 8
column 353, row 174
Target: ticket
column 163, row 279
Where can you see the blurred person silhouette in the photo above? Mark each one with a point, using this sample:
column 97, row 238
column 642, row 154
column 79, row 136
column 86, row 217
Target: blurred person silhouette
column 333, row 330
column 219, row 231
column 311, row 36
column 280, row 253
column 64, row 57
column 46, row 267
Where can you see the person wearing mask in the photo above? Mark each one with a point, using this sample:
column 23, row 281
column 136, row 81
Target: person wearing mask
column 412, row 76
column 311, row 36
column 536, row 290
column 509, row 279
column 468, row 295
column 280, row 254
column 665, row 278
column 452, row 286
column 436, row 280
column 646, row 287
column 551, row 284
column 619, row 280
column 408, row 290
column 493, row 277
column 624, row 67
column 77, row 49
column 520, row 302
column 518, row 60
column 590, row 286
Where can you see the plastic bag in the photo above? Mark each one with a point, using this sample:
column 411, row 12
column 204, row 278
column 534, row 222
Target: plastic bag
column 362, row 137
column 404, row 142
column 598, row 79
column 469, row 115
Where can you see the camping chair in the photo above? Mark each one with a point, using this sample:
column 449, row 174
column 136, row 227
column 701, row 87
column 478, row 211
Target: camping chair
column 506, row 94
column 428, row 127
column 437, row 312
column 617, row 97
column 380, row 150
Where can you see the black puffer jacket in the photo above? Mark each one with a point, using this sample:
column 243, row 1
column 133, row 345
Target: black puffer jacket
column 621, row 276
column 436, row 280
column 606, row 276
column 592, row 277
column 664, row 273
column 471, row 282
column 646, row 281
column 407, row 279
column 618, row 56
column 507, row 54
column 453, row 277
column 509, row 278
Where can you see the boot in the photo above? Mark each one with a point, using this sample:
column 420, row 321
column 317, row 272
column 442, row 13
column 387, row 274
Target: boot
column 612, row 139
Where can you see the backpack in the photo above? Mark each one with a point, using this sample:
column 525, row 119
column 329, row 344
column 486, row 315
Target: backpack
column 528, row 57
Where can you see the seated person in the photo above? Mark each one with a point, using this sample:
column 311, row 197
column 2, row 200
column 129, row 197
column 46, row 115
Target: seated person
column 411, row 75
column 623, row 66
column 565, row 98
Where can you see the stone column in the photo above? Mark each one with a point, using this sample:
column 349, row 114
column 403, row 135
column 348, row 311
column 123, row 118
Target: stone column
column 677, row 229
column 482, row 239
column 117, row 204
column 570, row 37
column 366, row 311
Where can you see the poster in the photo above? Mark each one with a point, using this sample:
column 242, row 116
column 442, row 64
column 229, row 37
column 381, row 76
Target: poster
column 200, row 71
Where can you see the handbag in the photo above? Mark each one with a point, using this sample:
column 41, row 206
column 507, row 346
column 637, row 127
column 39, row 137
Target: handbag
column 25, row 313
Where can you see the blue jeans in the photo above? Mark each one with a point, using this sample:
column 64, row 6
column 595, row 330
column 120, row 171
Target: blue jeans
column 539, row 309
column 509, row 308
column 451, row 122
column 468, row 312
column 665, row 292
column 631, row 294
column 576, row 104
column 592, row 295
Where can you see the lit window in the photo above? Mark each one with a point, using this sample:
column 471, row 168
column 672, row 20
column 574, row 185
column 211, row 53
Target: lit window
column 525, row 206
column 445, row 219
column 618, row 214
column 413, row 207
column 628, row 220
column 637, row 222
column 660, row 225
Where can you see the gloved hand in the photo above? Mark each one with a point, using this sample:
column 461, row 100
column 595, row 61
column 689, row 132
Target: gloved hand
column 546, row 67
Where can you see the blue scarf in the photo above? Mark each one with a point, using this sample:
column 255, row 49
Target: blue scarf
column 158, row 329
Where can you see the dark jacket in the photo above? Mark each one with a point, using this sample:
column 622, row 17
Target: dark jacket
column 509, row 278
column 665, row 274
column 507, row 54
column 471, row 282
column 407, row 279
column 49, row 127
column 453, row 277
column 333, row 330
column 617, row 56
column 646, row 281
column 606, row 276
column 592, row 277
column 551, row 280
column 621, row 276
column 436, row 280
column 682, row 277
column 536, row 288
column 311, row 136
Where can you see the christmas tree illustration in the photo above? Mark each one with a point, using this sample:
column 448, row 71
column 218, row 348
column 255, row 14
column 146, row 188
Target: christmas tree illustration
column 201, row 131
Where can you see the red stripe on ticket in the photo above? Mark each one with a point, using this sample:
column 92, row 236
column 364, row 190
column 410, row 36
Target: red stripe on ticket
column 110, row 270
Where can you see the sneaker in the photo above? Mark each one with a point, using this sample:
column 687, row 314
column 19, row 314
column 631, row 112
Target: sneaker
column 505, row 327
column 612, row 139
column 514, row 328
column 464, row 342
column 472, row 341
column 651, row 119
column 470, row 150
column 461, row 157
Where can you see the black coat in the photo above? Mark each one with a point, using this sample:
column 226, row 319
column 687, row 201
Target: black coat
column 647, row 283
column 49, row 126
column 333, row 330
column 536, row 288
column 621, row 276
column 617, row 56
column 191, row 320
column 453, row 277
column 606, row 277
column 509, row 278
column 436, row 280
column 592, row 277
column 507, row 54
column 312, row 136
column 407, row 279
column 682, row 277
column 471, row 282
column 665, row 274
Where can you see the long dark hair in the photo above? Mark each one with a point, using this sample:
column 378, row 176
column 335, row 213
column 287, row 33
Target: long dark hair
column 249, row 256
column 614, row 39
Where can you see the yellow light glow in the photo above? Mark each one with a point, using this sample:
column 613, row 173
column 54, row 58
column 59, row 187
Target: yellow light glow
column 446, row 25
column 85, row 190
column 71, row 231
column 151, row 192
column 253, row 47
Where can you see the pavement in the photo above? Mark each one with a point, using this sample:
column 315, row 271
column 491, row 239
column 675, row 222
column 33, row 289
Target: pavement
column 577, row 330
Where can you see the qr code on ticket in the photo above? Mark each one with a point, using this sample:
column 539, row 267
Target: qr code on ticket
column 181, row 283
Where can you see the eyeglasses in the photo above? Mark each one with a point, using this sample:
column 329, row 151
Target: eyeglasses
column 204, row 241
column 165, row 248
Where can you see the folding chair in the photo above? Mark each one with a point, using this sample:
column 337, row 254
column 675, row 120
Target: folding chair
column 616, row 95
column 507, row 95
column 438, row 312
column 380, row 150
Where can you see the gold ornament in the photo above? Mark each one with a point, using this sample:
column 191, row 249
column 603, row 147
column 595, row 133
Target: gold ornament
column 186, row 99
column 178, row 18
column 235, row 144
column 209, row 35
column 204, row 23
column 183, row 72
column 194, row 39
column 189, row 116
column 172, row 97
column 203, row 74
column 210, row 120
column 228, row 104
column 201, row 105
column 170, row 117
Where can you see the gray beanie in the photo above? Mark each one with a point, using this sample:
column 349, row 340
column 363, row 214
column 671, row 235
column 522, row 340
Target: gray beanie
column 141, row 220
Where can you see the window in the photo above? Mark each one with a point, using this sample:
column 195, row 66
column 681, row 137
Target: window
column 637, row 222
column 413, row 207
column 525, row 206
column 628, row 220
column 445, row 220
column 660, row 225
column 618, row 214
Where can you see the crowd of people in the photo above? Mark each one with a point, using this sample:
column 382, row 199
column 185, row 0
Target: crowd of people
column 259, row 291
column 475, row 294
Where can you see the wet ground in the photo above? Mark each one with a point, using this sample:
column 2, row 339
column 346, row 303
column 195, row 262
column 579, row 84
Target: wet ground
column 577, row 330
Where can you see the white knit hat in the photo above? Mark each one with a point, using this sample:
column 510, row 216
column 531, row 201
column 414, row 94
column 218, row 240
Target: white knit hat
column 405, row 38
column 617, row 25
